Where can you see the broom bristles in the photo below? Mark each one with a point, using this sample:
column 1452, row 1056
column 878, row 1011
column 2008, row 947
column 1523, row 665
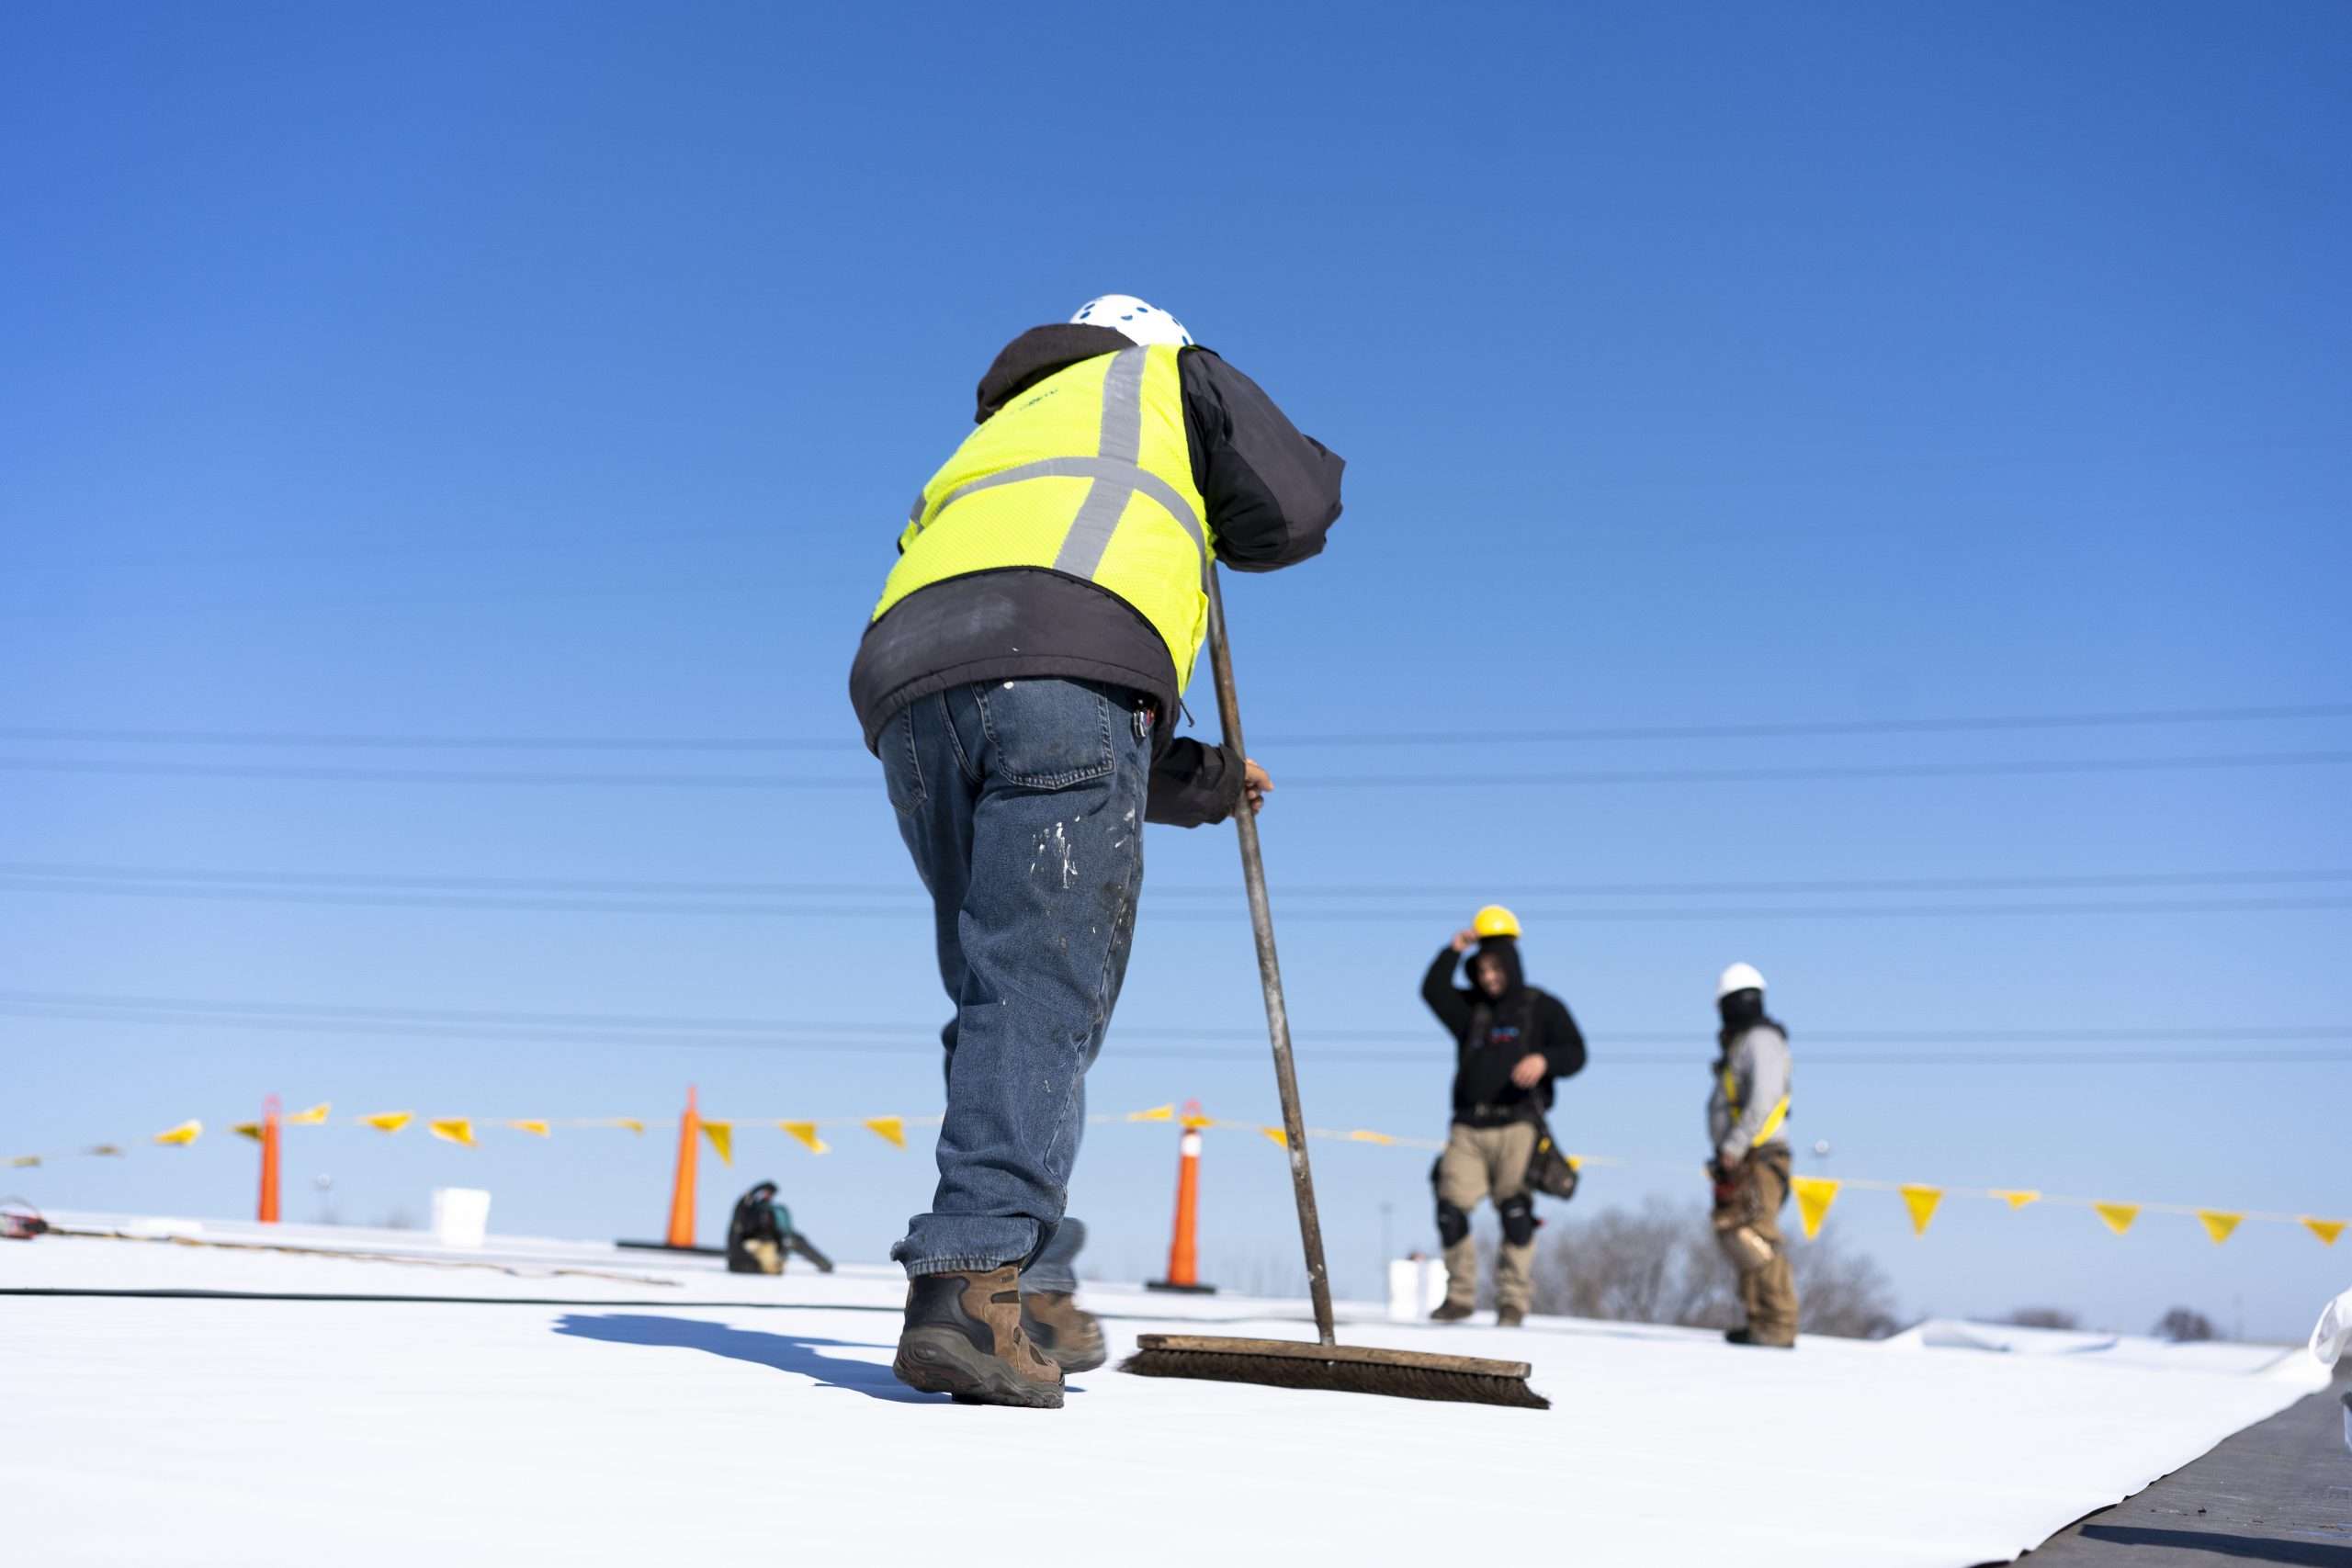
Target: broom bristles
column 1337, row 1377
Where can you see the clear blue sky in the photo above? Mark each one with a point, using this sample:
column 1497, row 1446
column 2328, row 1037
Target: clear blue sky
column 562, row 371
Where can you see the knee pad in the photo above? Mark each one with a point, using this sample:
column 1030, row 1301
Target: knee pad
column 1519, row 1219
column 1453, row 1224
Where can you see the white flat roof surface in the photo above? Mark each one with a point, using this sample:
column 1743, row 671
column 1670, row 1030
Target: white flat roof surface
column 641, row 1418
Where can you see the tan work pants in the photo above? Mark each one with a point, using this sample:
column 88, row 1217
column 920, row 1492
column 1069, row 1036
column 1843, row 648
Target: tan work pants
column 1767, row 1286
column 1481, row 1162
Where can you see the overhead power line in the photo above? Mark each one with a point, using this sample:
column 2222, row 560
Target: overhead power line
column 1457, row 779
column 1745, row 729
column 1432, row 1059
column 1987, row 1046
column 70, row 871
column 832, row 910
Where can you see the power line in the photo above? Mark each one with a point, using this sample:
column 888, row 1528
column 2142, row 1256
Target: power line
column 1749, row 729
column 1459, row 780
column 659, row 1028
column 372, row 881
column 833, row 910
column 1432, row 1060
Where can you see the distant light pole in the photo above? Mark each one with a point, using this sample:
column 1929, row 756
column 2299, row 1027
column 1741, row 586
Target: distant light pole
column 1386, row 1254
column 323, row 1185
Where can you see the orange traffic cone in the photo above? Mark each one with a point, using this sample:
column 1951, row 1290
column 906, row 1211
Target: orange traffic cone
column 268, row 1209
column 1184, row 1258
column 681, row 1191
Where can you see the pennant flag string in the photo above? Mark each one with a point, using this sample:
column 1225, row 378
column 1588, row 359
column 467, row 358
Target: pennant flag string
column 1815, row 1194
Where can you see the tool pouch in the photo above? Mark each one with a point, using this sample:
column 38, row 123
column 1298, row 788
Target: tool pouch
column 1734, row 1218
column 1548, row 1170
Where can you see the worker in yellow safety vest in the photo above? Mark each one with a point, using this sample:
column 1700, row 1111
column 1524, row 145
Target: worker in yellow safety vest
column 1020, row 679
column 1748, row 1115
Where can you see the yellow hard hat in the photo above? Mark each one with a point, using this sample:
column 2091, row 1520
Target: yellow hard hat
column 1495, row 921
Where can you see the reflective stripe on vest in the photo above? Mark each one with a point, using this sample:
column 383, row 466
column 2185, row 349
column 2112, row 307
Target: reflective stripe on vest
column 1013, row 496
column 1771, row 1122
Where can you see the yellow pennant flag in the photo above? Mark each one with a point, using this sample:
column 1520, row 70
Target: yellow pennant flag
column 182, row 1136
column 891, row 1130
column 632, row 1122
column 1156, row 1114
column 453, row 1129
column 1576, row 1162
column 115, row 1149
column 390, row 1120
column 248, row 1129
column 1921, row 1201
column 1278, row 1135
column 807, row 1132
column 2119, row 1216
column 2017, row 1198
column 536, row 1128
column 314, row 1117
column 2326, row 1230
column 2218, row 1225
column 1361, row 1137
column 24, row 1162
column 1815, row 1194
column 722, row 1138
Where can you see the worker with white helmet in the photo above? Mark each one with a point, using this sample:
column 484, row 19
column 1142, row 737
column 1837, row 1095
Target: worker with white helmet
column 1748, row 1115
column 1510, row 1041
column 1020, row 679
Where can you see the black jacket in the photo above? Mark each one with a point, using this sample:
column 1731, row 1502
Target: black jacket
column 1490, row 1038
column 1273, row 494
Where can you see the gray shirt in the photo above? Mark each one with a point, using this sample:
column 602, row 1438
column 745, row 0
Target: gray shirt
column 1756, row 1069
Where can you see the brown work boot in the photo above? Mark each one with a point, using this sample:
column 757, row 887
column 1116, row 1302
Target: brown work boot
column 1452, row 1311
column 1069, row 1335
column 1509, row 1317
column 963, row 1337
column 1747, row 1336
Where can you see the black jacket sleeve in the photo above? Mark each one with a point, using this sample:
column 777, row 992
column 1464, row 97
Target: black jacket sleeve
column 1192, row 783
column 1437, row 990
column 1563, row 1041
column 1272, row 493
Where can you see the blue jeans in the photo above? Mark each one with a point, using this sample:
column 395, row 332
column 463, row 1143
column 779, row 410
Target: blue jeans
column 1023, row 804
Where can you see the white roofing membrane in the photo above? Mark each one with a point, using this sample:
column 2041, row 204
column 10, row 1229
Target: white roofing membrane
column 643, row 1418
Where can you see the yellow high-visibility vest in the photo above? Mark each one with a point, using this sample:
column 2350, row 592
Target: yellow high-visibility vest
column 1771, row 1122
column 1088, row 473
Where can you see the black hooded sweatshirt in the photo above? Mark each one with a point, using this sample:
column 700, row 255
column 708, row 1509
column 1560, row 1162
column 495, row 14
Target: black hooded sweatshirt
column 1273, row 494
column 1491, row 1037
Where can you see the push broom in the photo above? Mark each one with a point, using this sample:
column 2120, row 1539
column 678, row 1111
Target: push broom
column 1282, row 1364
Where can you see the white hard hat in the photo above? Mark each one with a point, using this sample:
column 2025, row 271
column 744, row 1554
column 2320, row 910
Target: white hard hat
column 1738, row 978
column 1141, row 322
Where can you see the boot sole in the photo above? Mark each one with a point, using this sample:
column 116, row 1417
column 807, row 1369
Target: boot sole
column 946, row 1363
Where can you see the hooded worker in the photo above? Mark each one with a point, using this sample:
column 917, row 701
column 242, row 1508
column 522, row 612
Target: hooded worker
column 1748, row 1114
column 1020, row 679
column 1512, row 1041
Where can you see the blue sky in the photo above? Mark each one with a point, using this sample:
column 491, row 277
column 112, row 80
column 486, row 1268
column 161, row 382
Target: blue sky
column 562, row 371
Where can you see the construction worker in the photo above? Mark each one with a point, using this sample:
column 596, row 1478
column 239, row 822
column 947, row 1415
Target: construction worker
column 760, row 1236
column 1020, row 679
column 1510, row 1042
column 1748, row 1114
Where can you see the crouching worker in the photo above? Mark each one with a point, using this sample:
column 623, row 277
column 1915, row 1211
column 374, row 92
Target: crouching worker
column 1510, row 1041
column 760, row 1236
column 1746, row 1120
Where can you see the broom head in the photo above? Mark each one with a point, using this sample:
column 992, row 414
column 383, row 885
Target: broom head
column 1342, row 1369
